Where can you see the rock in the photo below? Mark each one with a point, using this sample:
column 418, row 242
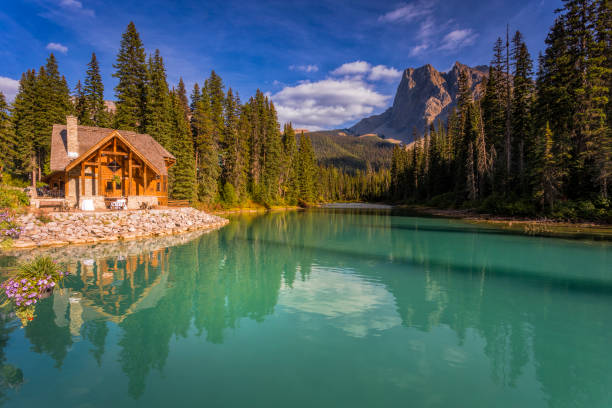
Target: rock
column 423, row 96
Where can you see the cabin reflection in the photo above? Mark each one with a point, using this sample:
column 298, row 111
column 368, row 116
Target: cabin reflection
column 111, row 289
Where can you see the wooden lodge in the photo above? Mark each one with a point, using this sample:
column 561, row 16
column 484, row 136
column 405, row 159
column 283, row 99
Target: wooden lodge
column 92, row 166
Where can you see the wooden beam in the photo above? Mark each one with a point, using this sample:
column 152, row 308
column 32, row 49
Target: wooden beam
column 82, row 179
column 114, row 153
column 130, row 174
column 66, row 184
column 144, row 175
column 114, row 144
column 99, row 174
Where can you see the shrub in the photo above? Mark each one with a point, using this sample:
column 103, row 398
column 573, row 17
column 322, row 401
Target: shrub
column 511, row 206
column 12, row 198
column 446, row 200
column 9, row 228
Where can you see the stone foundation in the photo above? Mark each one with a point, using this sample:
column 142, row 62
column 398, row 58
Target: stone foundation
column 92, row 227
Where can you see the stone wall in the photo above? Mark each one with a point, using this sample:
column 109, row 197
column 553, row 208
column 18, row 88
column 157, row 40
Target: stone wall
column 92, row 227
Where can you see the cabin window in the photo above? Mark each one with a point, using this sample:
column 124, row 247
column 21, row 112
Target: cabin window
column 114, row 166
column 109, row 186
column 158, row 186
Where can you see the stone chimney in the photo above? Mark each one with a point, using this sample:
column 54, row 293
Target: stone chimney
column 72, row 140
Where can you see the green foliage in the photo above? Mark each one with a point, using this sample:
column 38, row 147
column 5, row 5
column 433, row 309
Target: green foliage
column 13, row 198
column 228, row 194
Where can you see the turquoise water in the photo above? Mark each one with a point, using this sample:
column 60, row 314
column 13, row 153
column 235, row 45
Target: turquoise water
column 325, row 308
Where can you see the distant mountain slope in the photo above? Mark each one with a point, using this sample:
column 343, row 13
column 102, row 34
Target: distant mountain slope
column 341, row 149
column 423, row 95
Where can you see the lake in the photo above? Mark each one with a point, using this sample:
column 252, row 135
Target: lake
column 323, row 308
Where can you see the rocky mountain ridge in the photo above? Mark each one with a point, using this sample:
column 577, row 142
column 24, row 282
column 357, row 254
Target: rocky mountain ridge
column 423, row 95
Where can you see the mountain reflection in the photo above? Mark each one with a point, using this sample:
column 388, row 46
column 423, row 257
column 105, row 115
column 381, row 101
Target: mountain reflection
column 364, row 275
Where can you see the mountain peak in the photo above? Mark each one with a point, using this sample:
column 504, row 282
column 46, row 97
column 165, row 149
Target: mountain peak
column 423, row 95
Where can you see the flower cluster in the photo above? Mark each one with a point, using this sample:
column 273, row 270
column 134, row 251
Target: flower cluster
column 34, row 281
column 28, row 291
column 8, row 227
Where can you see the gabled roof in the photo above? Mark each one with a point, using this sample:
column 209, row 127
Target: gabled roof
column 89, row 136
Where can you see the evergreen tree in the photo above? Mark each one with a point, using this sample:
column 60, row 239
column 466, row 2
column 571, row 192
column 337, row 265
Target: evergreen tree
column 272, row 155
column 182, row 174
column 81, row 109
column 288, row 181
column 306, row 170
column 207, row 152
column 234, row 166
column 52, row 103
column 24, row 113
column 8, row 144
column 521, row 107
column 158, row 115
column 182, row 94
column 545, row 172
column 214, row 88
column 93, row 91
column 132, row 75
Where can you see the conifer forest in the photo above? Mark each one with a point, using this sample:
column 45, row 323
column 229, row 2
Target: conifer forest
column 537, row 143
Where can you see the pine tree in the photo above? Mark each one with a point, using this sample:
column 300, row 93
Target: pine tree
column 182, row 94
column 214, row 88
column 158, row 114
column 522, row 98
column 52, row 105
column 272, row 155
column 207, row 151
column 234, row 166
column 306, row 170
column 288, row 181
column 182, row 174
column 93, row 90
column 545, row 172
column 81, row 109
column 8, row 143
column 24, row 114
column 132, row 75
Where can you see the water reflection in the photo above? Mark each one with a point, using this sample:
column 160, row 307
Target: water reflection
column 541, row 320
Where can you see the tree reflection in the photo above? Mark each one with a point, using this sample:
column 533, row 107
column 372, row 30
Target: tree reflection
column 438, row 278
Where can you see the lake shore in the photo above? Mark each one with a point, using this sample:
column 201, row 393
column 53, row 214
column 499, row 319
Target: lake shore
column 528, row 226
column 59, row 229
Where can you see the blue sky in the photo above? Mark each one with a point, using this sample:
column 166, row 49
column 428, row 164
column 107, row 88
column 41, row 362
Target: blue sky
column 326, row 64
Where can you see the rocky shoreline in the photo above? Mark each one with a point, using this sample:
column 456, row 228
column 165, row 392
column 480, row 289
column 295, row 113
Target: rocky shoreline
column 58, row 229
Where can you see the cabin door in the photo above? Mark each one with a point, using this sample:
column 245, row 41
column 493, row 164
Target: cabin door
column 113, row 179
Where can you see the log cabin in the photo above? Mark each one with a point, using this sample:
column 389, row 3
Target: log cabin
column 102, row 165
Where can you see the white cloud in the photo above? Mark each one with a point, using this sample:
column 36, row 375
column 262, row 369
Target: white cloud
column 57, row 47
column 357, row 69
column 9, row 87
column 76, row 5
column 327, row 103
column 458, row 39
column 304, row 68
column 418, row 49
column 381, row 72
column 353, row 68
column 407, row 12
column 342, row 300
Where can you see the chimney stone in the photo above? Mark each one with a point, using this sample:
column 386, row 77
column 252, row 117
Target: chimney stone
column 72, row 140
